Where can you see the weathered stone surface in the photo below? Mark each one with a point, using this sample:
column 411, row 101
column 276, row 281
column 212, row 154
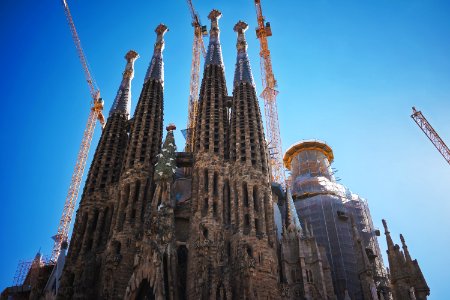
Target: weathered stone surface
column 154, row 223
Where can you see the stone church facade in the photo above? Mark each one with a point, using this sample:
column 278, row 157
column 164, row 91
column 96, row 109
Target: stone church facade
column 154, row 223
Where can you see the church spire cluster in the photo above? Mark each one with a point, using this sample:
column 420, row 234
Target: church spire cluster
column 154, row 223
column 407, row 280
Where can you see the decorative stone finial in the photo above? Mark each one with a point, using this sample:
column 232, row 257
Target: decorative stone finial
column 386, row 230
column 131, row 55
column 171, row 127
column 160, row 30
column 214, row 15
column 240, row 27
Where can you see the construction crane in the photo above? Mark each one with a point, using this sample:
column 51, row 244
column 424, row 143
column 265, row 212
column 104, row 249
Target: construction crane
column 95, row 113
column 431, row 134
column 198, row 48
column 269, row 95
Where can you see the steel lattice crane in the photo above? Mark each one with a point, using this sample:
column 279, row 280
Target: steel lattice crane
column 269, row 95
column 198, row 48
column 94, row 115
column 431, row 134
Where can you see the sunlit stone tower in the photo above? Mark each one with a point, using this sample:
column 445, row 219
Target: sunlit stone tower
column 135, row 188
column 253, row 247
column 208, row 261
column 94, row 217
column 158, row 224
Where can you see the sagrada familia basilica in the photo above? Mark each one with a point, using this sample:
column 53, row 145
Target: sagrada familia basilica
column 157, row 223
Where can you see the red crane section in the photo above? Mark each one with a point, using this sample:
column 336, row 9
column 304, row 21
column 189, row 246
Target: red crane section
column 431, row 134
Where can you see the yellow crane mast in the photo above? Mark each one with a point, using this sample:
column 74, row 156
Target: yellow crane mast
column 269, row 94
column 95, row 114
column 429, row 131
column 198, row 48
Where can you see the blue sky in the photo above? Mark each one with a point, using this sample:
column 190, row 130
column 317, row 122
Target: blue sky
column 348, row 73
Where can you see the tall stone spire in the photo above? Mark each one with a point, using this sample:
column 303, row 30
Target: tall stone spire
column 95, row 215
column 211, row 134
column 405, row 249
column 122, row 102
column 211, row 194
column 254, row 213
column 243, row 71
column 107, row 162
column 247, row 135
column 214, row 52
column 136, row 183
column 156, row 68
column 389, row 241
column 146, row 132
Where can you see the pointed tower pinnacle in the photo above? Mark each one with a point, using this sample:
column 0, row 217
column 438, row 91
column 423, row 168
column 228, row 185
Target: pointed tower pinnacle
column 405, row 249
column 156, row 67
column 214, row 51
column 243, row 71
column 359, row 246
column 211, row 132
column 122, row 102
column 292, row 221
column 389, row 241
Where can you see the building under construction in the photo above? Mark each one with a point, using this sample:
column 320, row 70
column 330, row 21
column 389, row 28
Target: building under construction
column 332, row 210
column 213, row 222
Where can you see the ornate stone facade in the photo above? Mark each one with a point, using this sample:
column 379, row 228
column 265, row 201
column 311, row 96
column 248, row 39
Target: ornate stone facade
column 154, row 223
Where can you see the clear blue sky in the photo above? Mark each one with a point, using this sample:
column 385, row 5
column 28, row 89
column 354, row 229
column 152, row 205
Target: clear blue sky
column 348, row 73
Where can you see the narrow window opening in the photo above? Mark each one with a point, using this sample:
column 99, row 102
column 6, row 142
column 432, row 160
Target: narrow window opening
column 246, row 224
column 227, row 203
column 249, row 251
column 215, row 184
column 206, row 179
column 257, row 228
column 215, row 209
column 245, row 194
column 255, row 198
column 205, row 207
